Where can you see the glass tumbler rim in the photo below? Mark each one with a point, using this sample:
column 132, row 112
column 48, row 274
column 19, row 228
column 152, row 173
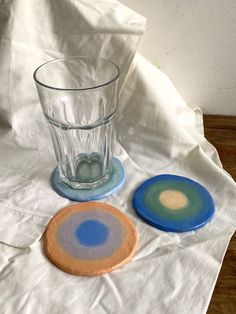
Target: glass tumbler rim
column 83, row 89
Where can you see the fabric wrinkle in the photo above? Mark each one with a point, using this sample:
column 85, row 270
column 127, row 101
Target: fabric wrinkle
column 156, row 133
column 112, row 287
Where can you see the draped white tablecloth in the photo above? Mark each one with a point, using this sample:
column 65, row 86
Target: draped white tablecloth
column 156, row 133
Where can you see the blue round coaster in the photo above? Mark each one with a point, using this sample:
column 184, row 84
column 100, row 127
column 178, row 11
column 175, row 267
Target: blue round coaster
column 115, row 182
column 173, row 203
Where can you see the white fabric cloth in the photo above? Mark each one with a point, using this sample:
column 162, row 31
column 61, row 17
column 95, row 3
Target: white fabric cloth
column 33, row 33
column 156, row 133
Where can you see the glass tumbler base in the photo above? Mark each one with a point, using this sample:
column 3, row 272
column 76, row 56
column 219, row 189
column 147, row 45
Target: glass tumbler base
column 108, row 187
column 85, row 186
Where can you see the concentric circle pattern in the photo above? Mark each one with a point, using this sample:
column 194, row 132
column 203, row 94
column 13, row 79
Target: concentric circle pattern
column 90, row 239
column 174, row 203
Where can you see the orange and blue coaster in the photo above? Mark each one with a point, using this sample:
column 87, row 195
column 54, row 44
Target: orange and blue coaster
column 114, row 184
column 90, row 239
column 174, row 203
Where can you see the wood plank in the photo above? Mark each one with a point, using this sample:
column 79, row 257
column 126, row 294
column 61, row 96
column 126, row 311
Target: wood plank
column 220, row 122
column 225, row 142
column 221, row 132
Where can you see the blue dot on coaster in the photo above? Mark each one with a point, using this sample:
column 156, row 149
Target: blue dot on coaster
column 115, row 182
column 174, row 203
column 92, row 233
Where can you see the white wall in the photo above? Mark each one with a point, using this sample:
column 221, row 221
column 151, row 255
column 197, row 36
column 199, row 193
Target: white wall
column 194, row 43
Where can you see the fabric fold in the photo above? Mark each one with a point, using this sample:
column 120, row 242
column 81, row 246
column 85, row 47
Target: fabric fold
column 31, row 35
column 157, row 133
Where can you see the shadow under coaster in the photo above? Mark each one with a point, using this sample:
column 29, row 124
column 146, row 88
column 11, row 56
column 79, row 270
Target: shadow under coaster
column 115, row 182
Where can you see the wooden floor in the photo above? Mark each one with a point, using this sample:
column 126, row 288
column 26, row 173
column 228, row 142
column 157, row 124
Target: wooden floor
column 221, row 132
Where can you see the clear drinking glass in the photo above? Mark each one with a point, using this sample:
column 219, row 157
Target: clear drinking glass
column 79, row 99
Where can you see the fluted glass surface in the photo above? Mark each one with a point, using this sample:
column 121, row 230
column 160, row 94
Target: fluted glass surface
column 79, row 99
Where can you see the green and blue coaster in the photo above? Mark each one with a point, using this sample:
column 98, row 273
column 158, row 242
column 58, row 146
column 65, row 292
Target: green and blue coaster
column 115, row 182
column 174, row 203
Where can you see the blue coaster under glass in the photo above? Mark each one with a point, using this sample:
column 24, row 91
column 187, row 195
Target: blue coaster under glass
column 173, row 203
column 111, row 186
